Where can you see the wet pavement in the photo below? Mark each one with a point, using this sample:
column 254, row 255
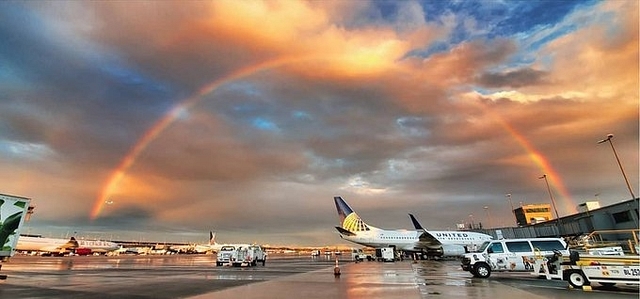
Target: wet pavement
column 196, row 276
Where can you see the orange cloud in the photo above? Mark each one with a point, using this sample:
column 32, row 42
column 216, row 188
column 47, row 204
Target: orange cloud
column 598, row 61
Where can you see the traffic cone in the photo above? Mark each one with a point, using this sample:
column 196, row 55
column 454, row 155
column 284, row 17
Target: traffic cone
column 336, row 269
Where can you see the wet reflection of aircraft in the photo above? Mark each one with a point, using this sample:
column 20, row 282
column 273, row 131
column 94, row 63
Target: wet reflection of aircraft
column 431, row 243
column 63, row 246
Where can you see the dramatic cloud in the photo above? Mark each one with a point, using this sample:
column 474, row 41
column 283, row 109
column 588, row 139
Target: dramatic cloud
column 164, row 120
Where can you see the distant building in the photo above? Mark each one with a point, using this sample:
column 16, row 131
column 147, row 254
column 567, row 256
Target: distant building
column 532, row 214
column 588, row 206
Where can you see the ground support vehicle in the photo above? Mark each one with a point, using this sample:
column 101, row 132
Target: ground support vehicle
column 386, row 254
column 582, row 270
column 510, row 255
column 13, row 212
column 257, row 254
column 248, row 256
column 224, row 255
column 359, row 255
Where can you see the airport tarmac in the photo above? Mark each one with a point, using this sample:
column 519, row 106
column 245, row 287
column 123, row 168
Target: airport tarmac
column 290, row 276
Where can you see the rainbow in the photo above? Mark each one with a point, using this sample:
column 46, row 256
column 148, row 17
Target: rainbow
column 119, row 172
column 538, row 159
column 173, row 114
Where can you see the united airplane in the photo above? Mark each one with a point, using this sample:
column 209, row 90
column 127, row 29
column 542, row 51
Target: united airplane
column 430, row 243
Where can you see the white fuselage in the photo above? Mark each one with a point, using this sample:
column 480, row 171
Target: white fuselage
column 26, row 243
column 407, row 240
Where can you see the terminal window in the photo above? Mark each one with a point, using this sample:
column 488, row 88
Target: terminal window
column 621, row 217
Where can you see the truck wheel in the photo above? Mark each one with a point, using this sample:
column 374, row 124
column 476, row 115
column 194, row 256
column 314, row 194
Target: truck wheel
column 577, row 280
column 218, row 264
column 481, row 270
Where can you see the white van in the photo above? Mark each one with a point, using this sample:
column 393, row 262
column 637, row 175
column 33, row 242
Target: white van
column 511, row 255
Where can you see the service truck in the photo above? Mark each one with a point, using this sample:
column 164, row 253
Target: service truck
column 13, row 212
column 358, row 255
column 386, row 254
column 245, row 256
column 582, row 270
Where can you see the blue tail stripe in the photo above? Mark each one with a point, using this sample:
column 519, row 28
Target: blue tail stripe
column 343, row 208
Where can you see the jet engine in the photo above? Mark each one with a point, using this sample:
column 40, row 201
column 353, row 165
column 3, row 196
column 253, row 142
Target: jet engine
column 446, row 251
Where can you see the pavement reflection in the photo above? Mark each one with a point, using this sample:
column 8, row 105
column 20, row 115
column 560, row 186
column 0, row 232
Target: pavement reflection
column 297, row 276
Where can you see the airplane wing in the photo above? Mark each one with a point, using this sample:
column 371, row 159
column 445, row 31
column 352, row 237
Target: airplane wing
column 425, row 239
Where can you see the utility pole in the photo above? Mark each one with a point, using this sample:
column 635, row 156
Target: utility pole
column 609, row 137
column 553, row 202
column 513, row 212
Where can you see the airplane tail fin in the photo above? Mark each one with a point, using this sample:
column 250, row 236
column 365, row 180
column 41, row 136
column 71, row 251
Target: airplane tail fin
column 416, row 224
column 349, row 220
column 425, row 238
column 72, row 243
column 212, row 238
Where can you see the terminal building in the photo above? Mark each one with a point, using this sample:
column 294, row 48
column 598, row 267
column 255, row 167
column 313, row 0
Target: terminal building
column 621, row 217
column 533, row 214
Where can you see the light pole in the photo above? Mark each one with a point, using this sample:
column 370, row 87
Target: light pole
column 513, row 212
column 553, row 202
column 486, row 208
column 619, row 164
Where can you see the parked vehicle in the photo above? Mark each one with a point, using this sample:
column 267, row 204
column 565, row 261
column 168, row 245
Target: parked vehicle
column 386, row 254
column 257, row 254
column 224, row 255
column 359, row 255
column 581, row 271
column 248, row 256
column 511, row 255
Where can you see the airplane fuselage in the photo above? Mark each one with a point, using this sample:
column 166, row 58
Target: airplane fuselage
column 27, row 243
column 407, row 240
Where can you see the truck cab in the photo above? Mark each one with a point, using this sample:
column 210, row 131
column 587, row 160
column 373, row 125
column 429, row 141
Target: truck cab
column 511, row 255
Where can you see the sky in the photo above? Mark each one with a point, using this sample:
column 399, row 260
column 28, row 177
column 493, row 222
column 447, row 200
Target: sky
column 161, row 120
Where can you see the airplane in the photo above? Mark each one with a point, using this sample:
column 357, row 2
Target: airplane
column 63, row 246
column 212, row 246
column 429, row 243
column 209, row 247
